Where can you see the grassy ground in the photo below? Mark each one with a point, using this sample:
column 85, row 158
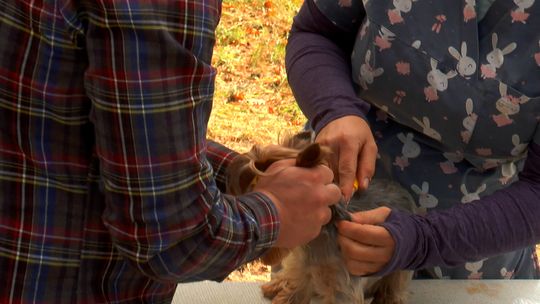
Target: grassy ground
column 253, row 102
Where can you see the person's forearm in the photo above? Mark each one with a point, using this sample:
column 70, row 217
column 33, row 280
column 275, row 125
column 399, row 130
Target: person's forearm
column 504, row 221
column 319, row 69
column 220, row 157
column 151, row 90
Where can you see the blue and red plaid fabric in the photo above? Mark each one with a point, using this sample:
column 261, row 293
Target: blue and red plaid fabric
column 109, row 189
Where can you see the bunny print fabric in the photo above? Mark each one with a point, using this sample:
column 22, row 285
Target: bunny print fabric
column 455, row 101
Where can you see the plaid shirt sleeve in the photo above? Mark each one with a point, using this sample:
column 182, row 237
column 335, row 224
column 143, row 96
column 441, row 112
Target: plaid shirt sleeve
column 151, row 84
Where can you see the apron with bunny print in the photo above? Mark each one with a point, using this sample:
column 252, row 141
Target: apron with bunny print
column 455, row 102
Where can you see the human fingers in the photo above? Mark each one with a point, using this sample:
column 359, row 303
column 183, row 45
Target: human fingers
column 366, row 164
column 347, row 165
column 318, row 174
column 354, row 151
column 373, row 217
column 325, row 216
column 361, row 252
column 323, row 174
column 333, row 194
column 366, row 234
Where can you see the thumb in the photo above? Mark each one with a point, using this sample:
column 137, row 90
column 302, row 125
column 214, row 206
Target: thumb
column 371, row 217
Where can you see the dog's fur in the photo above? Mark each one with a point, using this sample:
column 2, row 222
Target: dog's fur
column 316, row 272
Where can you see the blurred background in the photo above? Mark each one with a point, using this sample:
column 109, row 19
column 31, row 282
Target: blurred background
column 253, row 102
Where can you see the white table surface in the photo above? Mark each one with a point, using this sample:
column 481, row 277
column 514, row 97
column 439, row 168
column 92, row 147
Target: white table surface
column 421, row 291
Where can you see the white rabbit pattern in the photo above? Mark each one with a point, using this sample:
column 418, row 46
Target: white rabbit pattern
column 507, row 105
column 449, row 166
column 469, row 11
column 505, row 274
column 399, row 7
column 519, row 147
column 466, row 66
column 427, row 129
column 520, row 14
column 508, row 171
column 384, row 39
column 471, row 196
column 368, row 72
column 438, row 81
column 495, row 58
column 474, row 269
column 410, row 149
column 426, row 200
column 469, row 121
column 453, row 111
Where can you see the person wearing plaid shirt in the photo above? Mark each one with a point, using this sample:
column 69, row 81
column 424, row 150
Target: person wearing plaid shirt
column 110, row 192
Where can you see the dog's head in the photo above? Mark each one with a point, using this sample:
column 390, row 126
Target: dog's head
column 243, row 172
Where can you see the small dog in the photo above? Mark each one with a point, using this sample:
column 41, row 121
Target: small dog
column 316, row 272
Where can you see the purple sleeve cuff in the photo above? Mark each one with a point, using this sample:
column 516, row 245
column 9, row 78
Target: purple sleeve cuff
column 502, row 222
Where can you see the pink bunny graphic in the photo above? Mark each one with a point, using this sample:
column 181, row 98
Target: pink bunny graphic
column 427, row 129
column 410, row 149
column 469, row 12
column 474, row 269
column 449, row 166
column 466, row 65
column 495, row 58
column 368, row 72
column 438, row 81
column 519, row 14
column 426, row 200
column 469, row 122
column 400, row 6
column 384, row 39
column 508, row 171
column 505, row 274
column 471, row 196
column 507, row 105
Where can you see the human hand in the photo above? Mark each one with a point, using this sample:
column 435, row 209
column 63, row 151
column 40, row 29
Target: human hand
column 302, row 197
column 366, row 248
column 355, row 152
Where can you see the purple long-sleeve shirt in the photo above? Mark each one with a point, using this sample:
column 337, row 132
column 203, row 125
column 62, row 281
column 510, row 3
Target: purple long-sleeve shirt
column 319, row 71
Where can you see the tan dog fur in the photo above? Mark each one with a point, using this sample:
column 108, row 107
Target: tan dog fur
column 316, row 272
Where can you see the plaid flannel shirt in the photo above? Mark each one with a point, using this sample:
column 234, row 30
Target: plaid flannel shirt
column 110, row 192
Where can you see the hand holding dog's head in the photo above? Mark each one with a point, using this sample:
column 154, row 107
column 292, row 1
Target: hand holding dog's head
column 244, row 171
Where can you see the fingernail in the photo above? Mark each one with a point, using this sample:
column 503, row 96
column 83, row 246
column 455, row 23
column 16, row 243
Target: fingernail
column 366, row 182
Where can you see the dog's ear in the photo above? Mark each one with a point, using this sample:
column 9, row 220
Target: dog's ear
column 312, row 155
column 274, row 256
column 298, row 141
column 240, row 175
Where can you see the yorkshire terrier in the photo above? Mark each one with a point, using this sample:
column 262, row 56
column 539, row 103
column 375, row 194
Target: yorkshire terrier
column 316, row 272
